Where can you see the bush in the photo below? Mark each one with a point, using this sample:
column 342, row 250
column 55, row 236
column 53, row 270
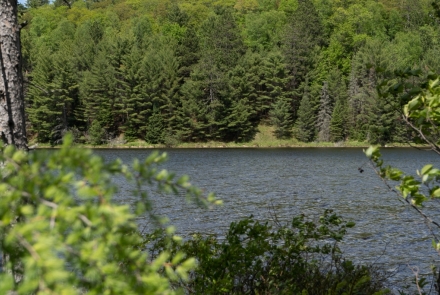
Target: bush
column 60, row 232
column 96, row 133
column 257, row 258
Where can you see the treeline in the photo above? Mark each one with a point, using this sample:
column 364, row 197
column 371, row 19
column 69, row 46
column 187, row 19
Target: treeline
column 169, row 71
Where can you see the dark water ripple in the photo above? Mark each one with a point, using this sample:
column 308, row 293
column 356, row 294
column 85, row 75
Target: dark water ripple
column 294, row 181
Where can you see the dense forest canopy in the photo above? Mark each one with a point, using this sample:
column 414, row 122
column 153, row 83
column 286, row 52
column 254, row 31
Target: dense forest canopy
column 170, row 71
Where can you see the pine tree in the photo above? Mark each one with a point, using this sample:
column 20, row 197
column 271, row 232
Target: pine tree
column 53, row 95
column 338, row 98
column 238, row 126
column 96, row 133
column 244, row 111
column 338, row 130
column 303, row 35
column 101, row 89
column 273, row 80
column 40, row 98
column 154, row 131
column 207, row 92
column 187, row 52
column 281, row 118
column 191, row 114
column 246, row 83
column 324, row 115
column 137, row 105
column 305, row 125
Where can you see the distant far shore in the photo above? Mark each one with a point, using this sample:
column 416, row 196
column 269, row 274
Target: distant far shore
column 263, row 139
column 229, row 145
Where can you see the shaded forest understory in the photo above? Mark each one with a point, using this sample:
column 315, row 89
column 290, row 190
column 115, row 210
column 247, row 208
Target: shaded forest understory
column 171, row 71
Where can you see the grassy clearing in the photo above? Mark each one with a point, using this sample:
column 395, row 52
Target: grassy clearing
column 263, row 139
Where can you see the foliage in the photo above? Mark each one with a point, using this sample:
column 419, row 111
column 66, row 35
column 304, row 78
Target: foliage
column 96, row 133
column 210, row 67
column 281, row 118
column 302, row 257
column 155, row 130
column 61, row 232
column 324, row 114
column 421, row 112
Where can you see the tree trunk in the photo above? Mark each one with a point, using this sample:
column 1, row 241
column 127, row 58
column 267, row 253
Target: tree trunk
column 12, row 121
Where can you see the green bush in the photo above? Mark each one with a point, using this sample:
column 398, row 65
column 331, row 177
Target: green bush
column 61, row 233
column 96, row 133
column 257, row 258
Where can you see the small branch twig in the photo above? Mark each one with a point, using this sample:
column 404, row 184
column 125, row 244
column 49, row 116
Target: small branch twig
column 407, row 201
column 415, row 271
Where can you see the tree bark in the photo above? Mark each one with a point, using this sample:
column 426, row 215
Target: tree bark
column 12, row 120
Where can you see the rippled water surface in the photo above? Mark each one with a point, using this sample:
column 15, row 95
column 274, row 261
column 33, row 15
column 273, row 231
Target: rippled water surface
column 288, row 182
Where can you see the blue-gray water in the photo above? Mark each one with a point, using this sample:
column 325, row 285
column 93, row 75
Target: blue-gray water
column 287, row 182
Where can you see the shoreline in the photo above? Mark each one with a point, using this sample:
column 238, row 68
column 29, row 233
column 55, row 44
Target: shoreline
column 235, row 146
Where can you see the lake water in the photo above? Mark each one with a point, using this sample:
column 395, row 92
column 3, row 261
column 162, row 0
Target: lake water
column 288, row 182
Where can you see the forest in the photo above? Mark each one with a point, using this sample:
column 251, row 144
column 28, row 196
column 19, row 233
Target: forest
column 169, row 71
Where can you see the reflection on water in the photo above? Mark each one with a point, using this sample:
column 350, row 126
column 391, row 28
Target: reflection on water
column 287, row 182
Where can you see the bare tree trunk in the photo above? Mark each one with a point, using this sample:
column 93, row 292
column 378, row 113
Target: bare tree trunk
column 12, row 121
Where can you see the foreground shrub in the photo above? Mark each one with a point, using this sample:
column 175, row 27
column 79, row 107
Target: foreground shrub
column 258, row 258
column 60, row 232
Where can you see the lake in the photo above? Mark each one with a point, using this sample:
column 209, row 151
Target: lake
column 288, row 182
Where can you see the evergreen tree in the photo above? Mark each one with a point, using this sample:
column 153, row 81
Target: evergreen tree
column 154, row 131
column 303, row 37
column 169, row 83
column 240, row 121
column 96, row 133
column 191, row 115
column 53, row 96
column 281, row 118
column 338, row 97
column 208, row 87
column 305, row 125
column 66, row 93
column 137, row 104
column 142, row 31
column 273, row 79
column 338, row 130
column 246, row 80
column 324, row 114
column 187, row 52
column 238, row 126
column 221, row 39
column 40, row 98
column 101, row 90
column 85, row 46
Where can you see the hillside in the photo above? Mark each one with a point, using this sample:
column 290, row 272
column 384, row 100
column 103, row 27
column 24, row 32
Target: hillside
column 170, row 71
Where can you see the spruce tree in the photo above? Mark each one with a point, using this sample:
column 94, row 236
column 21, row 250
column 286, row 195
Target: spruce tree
column 136, row 103
column 272, row 84
column 187, row 52
column 281, row 118
column 305, row 124
column 40, row 98
column 246, row 81
column 338, row 130
column 338, row 98
column 53, row 95
column 191, row 114
column 100, row 90
column 154, row 131
column 324, row 114
column 238, row 126
column 302, row 38
column 208, row 87
column 96, row 133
